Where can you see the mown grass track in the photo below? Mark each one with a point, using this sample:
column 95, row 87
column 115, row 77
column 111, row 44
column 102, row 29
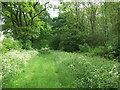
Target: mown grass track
column 66, row 70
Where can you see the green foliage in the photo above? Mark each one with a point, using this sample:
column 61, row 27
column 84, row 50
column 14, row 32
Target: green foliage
column 84, row 48
column 55, row 43
column 99, row 50
column 87, row 72
column 9, row 44
column 13, row 63
column 71, row 39
column 112, row 53
column 69, row 44
column 65, row 70
column 96, row 39
column 43, row 40
column 23, row 20
column 95, row 25
column 107, row 52
column 67, row 35
column 28, row 45
column 44, row 51
column 86, row 27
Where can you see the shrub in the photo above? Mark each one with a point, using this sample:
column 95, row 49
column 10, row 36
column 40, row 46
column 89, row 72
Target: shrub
column 112, row 52
column 106, row 51
column 84, row 48
column 54, row 44
column 44, row 51
column 70, row 41
column 99, row 51
column 96, row 39
column 9, row 44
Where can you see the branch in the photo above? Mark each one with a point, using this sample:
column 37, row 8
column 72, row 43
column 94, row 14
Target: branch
column 41, row 11
column 20, row 16
column 25, row 18
column 4, row 3
column 35, row 4
column 38, row 13
column 7, row 16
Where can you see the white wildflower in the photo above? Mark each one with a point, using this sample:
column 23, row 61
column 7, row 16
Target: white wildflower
column 71, row 65
column 110, row 72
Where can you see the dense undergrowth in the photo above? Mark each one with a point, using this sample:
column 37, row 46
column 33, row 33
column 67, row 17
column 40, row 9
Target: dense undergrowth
column 55, row 69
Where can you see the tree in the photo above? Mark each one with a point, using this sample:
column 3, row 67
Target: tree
column 68, row 29
column 23, row 20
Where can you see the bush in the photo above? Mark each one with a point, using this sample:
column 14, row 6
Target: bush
column 71, row 40
column 96, row 39
column 44, row 50
column 68, row 40
column 99, row 51
column 84, row 48
column 9, row 44
column 112, row 52
column 106, row 51
column 27, row 45
column 54, row 44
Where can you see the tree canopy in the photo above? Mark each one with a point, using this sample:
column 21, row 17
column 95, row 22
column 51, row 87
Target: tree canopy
column 94, row 24
column 23, row 20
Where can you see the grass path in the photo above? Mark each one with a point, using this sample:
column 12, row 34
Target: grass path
column 65, row 70
column 40, row 73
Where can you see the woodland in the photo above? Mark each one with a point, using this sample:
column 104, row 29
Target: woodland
column 78, row 49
